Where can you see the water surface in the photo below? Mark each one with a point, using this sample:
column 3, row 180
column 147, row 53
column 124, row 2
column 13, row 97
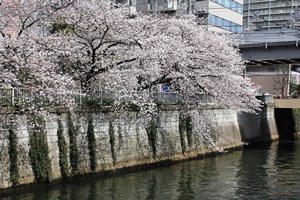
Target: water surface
column 269, row 171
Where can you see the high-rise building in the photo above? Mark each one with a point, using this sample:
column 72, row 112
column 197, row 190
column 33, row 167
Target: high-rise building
column 271, row 14
column 221, row 15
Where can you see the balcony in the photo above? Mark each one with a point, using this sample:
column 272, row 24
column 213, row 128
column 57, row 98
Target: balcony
column 166, row 5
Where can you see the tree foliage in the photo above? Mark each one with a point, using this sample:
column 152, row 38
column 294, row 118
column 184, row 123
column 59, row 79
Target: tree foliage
column 100, row 44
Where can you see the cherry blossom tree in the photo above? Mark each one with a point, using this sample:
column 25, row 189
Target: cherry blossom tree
column 27, row 56
column 134, row 53
column 103, row 46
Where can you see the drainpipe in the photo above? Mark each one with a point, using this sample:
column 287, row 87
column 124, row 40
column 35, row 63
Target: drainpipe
column 289, row 80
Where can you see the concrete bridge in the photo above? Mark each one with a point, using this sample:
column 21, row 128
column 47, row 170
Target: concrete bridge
column 270, row 47
column 270, row 55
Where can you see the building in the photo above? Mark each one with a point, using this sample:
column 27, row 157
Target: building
column 273, row 79
column 270, row 14
column 220, row 15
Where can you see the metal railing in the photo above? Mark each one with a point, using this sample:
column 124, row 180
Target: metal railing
column 25, row 97
column 98, row 96
column 21, row 96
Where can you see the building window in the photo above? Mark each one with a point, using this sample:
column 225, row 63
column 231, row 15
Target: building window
column 230, row 4
column 224, row 24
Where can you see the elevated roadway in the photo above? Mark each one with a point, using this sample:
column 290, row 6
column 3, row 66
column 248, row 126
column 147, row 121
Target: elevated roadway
column 270, row 47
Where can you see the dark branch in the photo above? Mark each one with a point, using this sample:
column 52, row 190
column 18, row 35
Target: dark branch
column 126, row 61
column 102, row 38
column 24, row 26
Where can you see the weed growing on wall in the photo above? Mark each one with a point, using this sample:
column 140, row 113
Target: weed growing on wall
column 62, row 147
column 112, row 141
column 13, row 157
column 91, row 143
column 151, row 130
column 185, row 130
column 189, row 130
column 182, row 131
column 72, row 144
column 39, row 151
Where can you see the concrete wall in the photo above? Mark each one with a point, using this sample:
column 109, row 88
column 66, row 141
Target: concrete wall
column 131, row 142
column 258, row 127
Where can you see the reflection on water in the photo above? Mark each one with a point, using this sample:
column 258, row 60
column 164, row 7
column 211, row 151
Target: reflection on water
column 269, row 171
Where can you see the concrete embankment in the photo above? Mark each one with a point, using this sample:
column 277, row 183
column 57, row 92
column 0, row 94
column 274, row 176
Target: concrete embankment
column 68, row 145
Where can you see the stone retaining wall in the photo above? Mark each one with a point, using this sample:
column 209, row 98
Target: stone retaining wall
column 126, row 140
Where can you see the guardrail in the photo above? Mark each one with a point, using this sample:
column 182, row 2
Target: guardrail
column 268, row 37
column 21, row 97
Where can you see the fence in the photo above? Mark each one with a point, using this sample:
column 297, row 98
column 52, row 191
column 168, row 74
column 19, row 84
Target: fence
column 26, row 97
column 19, row 96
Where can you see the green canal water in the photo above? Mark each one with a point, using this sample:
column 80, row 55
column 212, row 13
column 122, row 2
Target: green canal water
column 269, row 171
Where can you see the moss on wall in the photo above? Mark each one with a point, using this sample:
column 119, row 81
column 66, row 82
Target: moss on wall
column 112, row 141
column 91, row 143
column 39, row 151
column 185, row 130
column 62, row 147
column 151, row 130
column 189, row 130
column 73, row 149
column 182, row 132
column 13, row 157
